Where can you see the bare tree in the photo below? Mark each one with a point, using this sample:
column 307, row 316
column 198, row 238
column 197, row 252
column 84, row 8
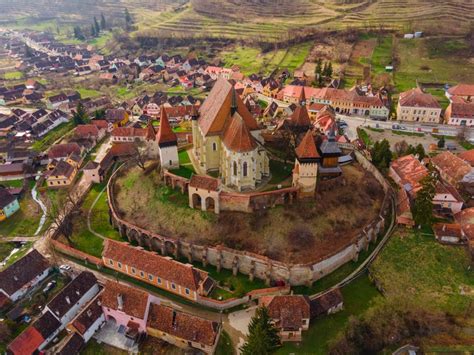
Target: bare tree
column 61, row 214
column 401, row 147
column 139, row 155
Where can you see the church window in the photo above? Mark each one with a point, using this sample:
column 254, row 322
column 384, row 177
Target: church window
column 245, row 169
column 235, row 168
column 214, row 146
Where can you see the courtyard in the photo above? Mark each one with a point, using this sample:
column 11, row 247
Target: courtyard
column 306, row 231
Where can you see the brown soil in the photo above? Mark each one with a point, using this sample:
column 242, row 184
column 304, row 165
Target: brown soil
column 303, row 232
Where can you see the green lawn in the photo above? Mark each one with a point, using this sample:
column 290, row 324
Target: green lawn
column 239, row 285
column 13, row 75
column 49, row 139
column 251, row 60
column 405, row 133
column 12, row 183
column 88, row 93
column 364, row 136
column 184, row 157
column 25, row 221
column 416, row 266
column 82, row 238
column 224, row 346
column 280, row 171
column 5, row 250
column 382, row 55
column 184, row 171
column 358, row 297
column 435, row 60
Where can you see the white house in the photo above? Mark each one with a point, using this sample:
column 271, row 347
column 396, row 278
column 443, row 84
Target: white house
column 23, row 275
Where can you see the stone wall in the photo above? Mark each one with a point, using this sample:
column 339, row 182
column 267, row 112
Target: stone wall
column 251, row 264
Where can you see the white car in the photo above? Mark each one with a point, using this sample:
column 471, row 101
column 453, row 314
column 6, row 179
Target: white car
column 65, row 268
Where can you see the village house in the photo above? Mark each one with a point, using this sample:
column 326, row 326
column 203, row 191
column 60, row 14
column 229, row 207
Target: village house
column 460, row 112
column 89, row 131
column 63, row 151
column 89, row 320
column 8, row 204
column 453, row 170
column 162, row 272
column 448, row 233
column 36, row 337
column 63, row 172
column 22, row 276
column 182, row 329
column 328, row 303
column 227, row 139
column 290, row 314
column 126, row 307
column 117, row 117
column 467, row 156
column 67, row 303
column 462, row 91
column 416, row 106
column 55, row 101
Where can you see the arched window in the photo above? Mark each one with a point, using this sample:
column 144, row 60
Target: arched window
column 245, row 168
column 235, row 168
column 214, row 146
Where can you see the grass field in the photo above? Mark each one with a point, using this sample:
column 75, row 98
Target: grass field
column 435, row 60
column 25, row 221
column 251, row 60
column 88, row 93
column 12, row 75
column 52, row 136
column 433, row 275
column 358, row 297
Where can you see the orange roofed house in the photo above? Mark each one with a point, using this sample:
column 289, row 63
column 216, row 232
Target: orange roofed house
column 290, row 314
column 182, row 329
column 415, row 105
column 163, row 272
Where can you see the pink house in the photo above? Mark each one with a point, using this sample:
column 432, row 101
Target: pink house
column 127, row 307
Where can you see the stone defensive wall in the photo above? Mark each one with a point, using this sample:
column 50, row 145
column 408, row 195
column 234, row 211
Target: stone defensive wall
column 254, row 265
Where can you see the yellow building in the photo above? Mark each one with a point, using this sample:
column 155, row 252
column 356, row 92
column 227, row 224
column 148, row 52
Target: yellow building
column 227, row 139
column 415, row 105
column 63, row 172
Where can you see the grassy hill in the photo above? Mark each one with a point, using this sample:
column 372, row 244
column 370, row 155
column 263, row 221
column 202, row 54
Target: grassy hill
column 254, row 19
column 273, row 19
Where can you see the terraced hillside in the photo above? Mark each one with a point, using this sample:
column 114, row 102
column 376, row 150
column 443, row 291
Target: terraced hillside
column 76, row 11
column 267, row 18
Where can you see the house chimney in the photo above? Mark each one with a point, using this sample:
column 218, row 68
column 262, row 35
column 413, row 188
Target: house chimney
column 68, row 300
column 120, row 302
column 444, row 227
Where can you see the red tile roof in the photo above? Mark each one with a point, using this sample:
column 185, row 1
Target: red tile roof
column 462, row 90
column 100, row 123
column 299, row 117
column 237, row 136
column 135, row 301
column 204, row 182
column 216, row 109
column 452, row 166
column 129, row 132
column 307, row 147
column 86, row 131
column 288, row 311
column 417, row 98
column 27, row 342
column 154, row 264
column 63, row 150
column 165, row 134
column 410, row 171
column 183, row 325
column 467, row 156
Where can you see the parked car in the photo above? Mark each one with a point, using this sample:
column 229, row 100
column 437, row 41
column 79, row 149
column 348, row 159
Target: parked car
column 396, row 126
column 50, row 286
column 65, row 268
column 451, row 146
